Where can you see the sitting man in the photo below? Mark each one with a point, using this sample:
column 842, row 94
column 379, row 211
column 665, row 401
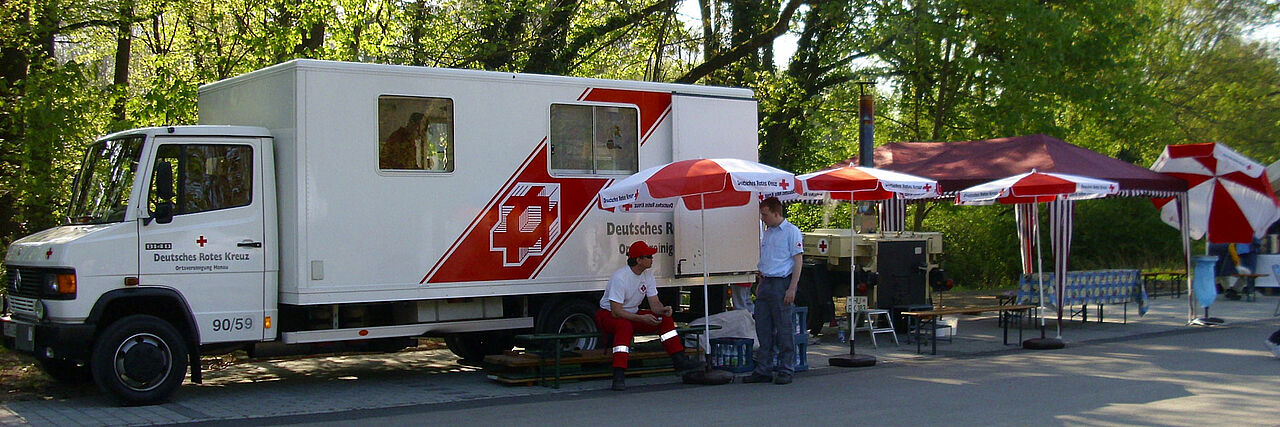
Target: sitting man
column 621, row 316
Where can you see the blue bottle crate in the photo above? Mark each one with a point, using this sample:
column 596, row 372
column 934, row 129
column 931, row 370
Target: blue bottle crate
column 733, row 354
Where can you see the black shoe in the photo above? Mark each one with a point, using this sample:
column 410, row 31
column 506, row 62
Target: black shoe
column 683, row 364
column 756, row 377
column 1231, row 294
column 782, row 379
column 619, row 379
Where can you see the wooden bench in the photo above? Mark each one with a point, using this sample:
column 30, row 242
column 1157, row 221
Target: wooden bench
column 552, row 345
column 930, row 318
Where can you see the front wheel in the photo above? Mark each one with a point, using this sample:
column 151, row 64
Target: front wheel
column 139, row 360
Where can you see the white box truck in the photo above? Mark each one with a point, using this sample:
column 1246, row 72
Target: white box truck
column 325, row 204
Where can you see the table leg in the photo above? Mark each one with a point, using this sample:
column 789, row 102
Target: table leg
column 1004, row 322
column 933, row 334
column 557, row 350
column 918, row 324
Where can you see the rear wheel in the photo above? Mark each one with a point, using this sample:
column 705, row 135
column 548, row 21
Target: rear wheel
column 572, row 316
column 139, row 360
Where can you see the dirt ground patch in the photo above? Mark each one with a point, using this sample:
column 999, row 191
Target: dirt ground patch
column 21, row 378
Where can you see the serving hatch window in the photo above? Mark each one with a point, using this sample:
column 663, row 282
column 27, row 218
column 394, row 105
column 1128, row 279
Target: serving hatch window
column 592, row 139
column 415, row 133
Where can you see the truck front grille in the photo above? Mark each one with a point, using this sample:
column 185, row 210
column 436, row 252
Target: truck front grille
column 23, row 306
column 33, row 282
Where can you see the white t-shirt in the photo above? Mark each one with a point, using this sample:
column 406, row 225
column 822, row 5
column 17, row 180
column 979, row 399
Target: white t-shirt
column 629, row 289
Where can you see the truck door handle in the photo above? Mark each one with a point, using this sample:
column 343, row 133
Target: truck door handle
column 249, row 244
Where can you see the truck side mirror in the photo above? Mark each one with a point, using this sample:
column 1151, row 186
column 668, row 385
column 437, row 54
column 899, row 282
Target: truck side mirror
column 164, row 193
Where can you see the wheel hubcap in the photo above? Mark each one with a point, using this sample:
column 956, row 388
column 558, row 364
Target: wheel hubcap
column 142, row 362
column 579, row 323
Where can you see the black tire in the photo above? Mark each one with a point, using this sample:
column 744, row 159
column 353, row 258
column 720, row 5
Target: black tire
column 66, row 371
column 572, row 316
column 476, row 345
column 139, row 360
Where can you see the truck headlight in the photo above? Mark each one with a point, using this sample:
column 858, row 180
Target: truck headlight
column 61, row 284
column 39, row 309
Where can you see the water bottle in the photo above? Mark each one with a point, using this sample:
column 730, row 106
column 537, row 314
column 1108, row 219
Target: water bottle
column 843, row 337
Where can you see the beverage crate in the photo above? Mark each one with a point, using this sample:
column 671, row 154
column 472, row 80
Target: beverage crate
column 800, row 321
column 732, row 354
column 802, row 356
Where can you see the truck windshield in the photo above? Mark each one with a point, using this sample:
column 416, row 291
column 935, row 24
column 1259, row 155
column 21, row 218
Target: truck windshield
column 101, row 191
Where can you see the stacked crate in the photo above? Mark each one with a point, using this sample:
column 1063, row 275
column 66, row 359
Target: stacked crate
column 735, row 354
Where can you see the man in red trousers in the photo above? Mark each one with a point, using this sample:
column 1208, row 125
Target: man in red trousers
column 620, row 313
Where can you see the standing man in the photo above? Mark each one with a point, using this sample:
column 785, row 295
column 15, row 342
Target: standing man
column 780, row 259
column 620, row 313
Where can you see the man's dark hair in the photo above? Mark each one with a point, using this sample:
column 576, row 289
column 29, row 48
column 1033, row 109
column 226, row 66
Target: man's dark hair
column 631, row 262
column 774, row 205
column 416, row 118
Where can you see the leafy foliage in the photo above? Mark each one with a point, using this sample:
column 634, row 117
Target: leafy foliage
column 1121, row 77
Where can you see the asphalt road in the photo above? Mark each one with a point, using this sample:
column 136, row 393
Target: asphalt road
column 1185, row 377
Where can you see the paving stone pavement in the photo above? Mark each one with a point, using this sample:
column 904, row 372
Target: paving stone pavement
column 316, row 385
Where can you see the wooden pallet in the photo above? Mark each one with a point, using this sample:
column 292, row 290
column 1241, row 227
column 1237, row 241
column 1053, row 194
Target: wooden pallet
column 522, row 368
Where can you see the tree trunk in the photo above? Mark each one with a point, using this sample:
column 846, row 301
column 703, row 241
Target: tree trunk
column 124, row 42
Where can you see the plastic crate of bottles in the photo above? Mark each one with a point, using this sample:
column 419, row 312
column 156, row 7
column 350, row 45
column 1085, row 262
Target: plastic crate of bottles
column 732, row 354
column 800, row 321
column 802, row 356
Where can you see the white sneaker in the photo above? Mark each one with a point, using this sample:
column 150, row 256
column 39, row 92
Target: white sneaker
column 1275, row 348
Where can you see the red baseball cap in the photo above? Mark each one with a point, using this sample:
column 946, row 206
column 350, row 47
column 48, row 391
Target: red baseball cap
column 640, row 248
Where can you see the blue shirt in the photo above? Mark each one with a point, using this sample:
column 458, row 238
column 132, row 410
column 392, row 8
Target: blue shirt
column 778, row 247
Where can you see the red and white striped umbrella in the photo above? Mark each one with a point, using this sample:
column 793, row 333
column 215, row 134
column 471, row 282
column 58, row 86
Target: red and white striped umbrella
column 1229, row 197
column 864, row 183
column 714, row 182
column 1033, row 187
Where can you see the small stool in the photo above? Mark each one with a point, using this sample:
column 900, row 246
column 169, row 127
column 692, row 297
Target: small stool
column 870, row 316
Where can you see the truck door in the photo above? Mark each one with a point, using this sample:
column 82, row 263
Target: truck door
column 715, row 127
column 211, row 249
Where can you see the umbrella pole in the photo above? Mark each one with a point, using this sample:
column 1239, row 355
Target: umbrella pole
column 853, row 360
column 706, row 295
column 1042, row 343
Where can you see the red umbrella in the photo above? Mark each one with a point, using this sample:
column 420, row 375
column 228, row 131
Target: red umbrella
column 1229, row 197
column 1058, row 189
column 700, row 184
column 863, row 183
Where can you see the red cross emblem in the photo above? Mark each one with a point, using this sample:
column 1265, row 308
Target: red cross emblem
column 784, row 184
column 201, row 241
column 927, row 187
column 822, row 246
column 528, row 221
column 48, row 253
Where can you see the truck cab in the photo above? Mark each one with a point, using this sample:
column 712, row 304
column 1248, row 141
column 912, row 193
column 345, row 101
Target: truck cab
column 126, row 290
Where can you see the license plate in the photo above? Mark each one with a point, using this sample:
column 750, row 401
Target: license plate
column 26, row 339
column 10, row 329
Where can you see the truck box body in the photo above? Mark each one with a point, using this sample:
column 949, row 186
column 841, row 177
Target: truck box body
column 350, row 231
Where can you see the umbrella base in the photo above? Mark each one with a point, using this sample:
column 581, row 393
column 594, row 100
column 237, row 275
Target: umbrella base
column 1043, row 344
column 712, row 377
column 853, row 361
column 1207, row 321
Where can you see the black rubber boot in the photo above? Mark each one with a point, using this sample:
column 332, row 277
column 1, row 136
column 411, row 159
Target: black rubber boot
column 683, row 364
column 619, row 379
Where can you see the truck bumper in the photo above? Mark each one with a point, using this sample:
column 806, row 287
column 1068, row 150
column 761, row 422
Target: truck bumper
column 48, row 340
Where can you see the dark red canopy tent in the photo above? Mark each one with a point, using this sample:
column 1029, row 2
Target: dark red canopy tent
column 963, row 164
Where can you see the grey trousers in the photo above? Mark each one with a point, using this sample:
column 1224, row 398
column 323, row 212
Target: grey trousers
column 774, row 327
